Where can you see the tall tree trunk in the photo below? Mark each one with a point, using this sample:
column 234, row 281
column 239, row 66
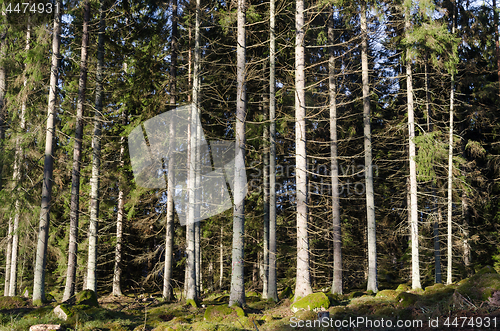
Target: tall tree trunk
column 8, row 256
column 96, row 158
column 272, row 291
column 43, row 229
column 237, row 295
column 303, row 281
column 16, row 178
column 449, row 276
column 370, row 200
column 169, row 235
column 190, row 283
column 117, row 271
column 437, row 248
column 337, row 230
column 265, row 156
column 69, row 289
column 413, row 212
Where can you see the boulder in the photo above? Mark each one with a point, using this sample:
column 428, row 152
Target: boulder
column 314, row 301
column 62, row 312
column 46, row 327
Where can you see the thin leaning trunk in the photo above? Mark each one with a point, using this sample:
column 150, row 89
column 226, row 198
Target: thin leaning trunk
column 169, row 235
column 272, row 291
column 69, row 289
column 303, row 281
column 237, row 295
column 96, row 158
column 497, row 43
column 370, row 201
column 43, row 229
column 337, row 231
column 413, row 209
column 221, row 258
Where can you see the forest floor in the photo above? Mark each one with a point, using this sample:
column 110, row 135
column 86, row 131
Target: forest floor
column 471, row 304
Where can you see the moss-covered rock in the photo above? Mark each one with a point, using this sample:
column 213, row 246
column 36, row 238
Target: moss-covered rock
column 312, row 301
column 63, row 312
column 306, row 315
column 355, row 294
column 403, row 287
column 192, row 303
column 405, row 300
column 387, row 294
column 7, row 303
column 480, row 286
column 87, row 297
column 287, row 293
column 217, row 313
column 486, row 270
column 239, row 311
column 435, row 288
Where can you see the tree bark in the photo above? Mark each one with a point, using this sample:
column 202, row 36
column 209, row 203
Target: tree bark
column 69, row 289
column 43, row 229
column 96, row 158
column 8, row 256
column 169, row 235
column 272, row 291
column 449, row 276
column 3, row 88
column 190, row 283
column 413, row 212
column 370, row 201
column 303, row 281
column 221, row 258
column 265, row 156
column 337, row 230
column 117, row 271
column 237, row 295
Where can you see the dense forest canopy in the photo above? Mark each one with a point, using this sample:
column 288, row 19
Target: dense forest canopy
column 365, row 137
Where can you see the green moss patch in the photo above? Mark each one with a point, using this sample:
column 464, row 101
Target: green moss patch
column 87, row 297
column 311, row 302
column 405, row 300
column 287, row 293
column 218, row 313
column 355, row 294
column 480, row 286
column 389, row 294
column 7, row 303
column 403, row 287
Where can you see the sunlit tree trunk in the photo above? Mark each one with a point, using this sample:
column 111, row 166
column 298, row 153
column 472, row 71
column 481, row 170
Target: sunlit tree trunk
column 96, row 158
column 413, row 208
column 337, row 232
column 272, row 292
column 8, row 256
column 303, row 281
column 265, row 241
column 69, row 289
column 43, row 229
column 221, row 258
column 237, row 295
column 169, row 235
column 190, row 282
column 370, row 201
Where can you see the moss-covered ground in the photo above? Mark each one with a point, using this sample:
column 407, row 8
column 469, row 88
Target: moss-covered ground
column 459, row 306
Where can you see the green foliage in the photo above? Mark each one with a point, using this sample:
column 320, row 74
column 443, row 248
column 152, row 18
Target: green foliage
column 87, row 297
column 432, row 151
column 311, row 302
